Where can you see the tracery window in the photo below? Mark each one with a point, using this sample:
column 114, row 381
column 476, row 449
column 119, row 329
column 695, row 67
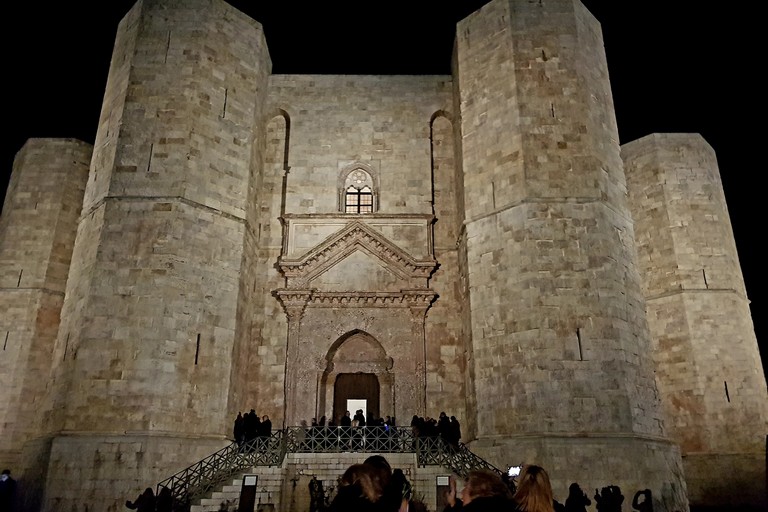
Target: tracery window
column 358, row 195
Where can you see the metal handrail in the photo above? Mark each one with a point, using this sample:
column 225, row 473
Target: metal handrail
column 203, row 476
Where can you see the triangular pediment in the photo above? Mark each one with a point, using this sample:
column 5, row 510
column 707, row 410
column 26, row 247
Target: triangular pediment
column 360, row 245
column 359, row 271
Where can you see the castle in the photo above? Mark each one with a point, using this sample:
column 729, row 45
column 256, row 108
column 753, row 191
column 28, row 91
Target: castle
column 477, row 243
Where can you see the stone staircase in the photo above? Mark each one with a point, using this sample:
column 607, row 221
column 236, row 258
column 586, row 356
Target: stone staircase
column 286, row 462
column 286, row 488
column 227, row 496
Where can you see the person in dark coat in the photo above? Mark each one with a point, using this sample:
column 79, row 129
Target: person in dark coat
column 455, row 429
column 164, row 501
column 577, row 500
column 250, row 425
column 647, row 504
column 609, row 499
column 7, row 492
column 266, row 426
column 316, row 495
column 239, row 429
column 484, row 491
column 144, row 503
column 444, row 427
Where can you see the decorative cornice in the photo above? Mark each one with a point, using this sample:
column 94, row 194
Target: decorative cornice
column 401, row 299
column 294, row 301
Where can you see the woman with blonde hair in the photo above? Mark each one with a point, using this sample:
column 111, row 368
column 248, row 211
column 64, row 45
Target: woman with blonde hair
column 534, row 491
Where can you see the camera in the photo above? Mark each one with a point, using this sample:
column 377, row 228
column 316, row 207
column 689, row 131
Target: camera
column 513, row 471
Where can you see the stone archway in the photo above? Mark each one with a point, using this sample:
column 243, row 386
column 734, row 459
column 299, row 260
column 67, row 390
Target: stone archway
column 357, row 359
column 356, row 385
column 389, row 295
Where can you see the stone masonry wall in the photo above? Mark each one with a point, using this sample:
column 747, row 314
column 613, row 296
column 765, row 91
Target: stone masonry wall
column 336, row 122
column 130, row 363
column 446, row 363
column 559, row 332
column 560, row 341
column 631, row 462
column 707, row 360
column 37, row 232
column 256, row 352
column 381, row 122
column 151, row 302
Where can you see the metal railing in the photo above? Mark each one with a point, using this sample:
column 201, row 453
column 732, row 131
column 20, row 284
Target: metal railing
column 349, row 439
column 435, row 451
column 204, row 476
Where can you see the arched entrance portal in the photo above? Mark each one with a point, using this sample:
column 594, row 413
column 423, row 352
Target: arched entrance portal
column 357, row 367
column 350, row 386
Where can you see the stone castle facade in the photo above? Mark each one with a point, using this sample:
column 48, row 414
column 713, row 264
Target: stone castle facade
column 477, row 243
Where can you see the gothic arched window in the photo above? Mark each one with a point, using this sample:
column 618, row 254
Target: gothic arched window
column 358, row 192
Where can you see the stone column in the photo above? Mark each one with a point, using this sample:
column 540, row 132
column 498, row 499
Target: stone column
column 295, row 303
column 418, row 304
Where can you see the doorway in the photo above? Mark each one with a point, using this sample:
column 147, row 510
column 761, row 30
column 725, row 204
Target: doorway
column 353, row 404
column 352, row 387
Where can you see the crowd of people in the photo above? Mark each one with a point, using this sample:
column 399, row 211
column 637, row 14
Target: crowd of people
column 374, row 486
column 448, row 428
column 360, row 419
column 249, row 426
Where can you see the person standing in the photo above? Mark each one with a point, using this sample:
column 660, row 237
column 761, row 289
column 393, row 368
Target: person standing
column 647, row 504
column 144, row 503
column 164, row 501
column 316, row 495
column 7, row 492
column 534, row 490
column 577, row 500
column 266, row 426
column 360, row 417
column 239, row 429
column 455, row 429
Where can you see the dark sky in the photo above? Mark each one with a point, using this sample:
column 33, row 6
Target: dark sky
column 675, row 66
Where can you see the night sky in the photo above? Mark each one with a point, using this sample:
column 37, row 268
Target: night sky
column 675, row 66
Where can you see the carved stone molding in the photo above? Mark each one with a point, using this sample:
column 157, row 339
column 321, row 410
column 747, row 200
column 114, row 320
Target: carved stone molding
column 355, row 236
column 403, row 299
column 294, row 301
